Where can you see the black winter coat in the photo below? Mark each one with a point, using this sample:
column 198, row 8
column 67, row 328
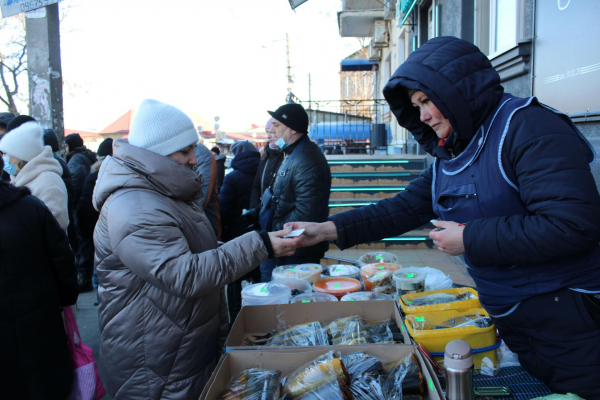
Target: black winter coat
column 80, row 161
column 304, row 192
column 37, row 277
column 541, row 152
column 235, row 194
column 87, row 216
column 268, row 166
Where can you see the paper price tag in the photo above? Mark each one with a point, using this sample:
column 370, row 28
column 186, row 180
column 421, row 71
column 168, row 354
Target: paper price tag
column 292, row 270
column 420, row 319
column 337, row 285
column 350, row 299
column 431, row 386
column 264, row 290
column 381, row 267
column 379, row 275
column 378, row 257
column 410, row 275
column 306, row 301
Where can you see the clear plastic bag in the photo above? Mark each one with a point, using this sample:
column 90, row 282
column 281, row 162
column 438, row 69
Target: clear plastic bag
column 358, row 364
column 309, row 334
column 324, row 378
column 404, row 377
column 348, row 331
column 434, row 321
column 367, row 387
column 366, row 296
column 253, row 384
column 380, row 332
column 436, row 279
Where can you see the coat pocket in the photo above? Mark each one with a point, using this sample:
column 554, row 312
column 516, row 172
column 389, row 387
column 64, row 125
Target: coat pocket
column 459, row 203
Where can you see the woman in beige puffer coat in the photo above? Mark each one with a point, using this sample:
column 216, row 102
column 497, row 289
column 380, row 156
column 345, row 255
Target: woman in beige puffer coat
column 163, row 313
column 37, row 169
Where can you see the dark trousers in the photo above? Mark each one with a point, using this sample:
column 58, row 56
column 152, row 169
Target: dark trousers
column 557, row 340
column 267, row 267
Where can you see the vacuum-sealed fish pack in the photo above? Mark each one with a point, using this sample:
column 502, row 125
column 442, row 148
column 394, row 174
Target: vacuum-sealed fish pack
column 253, row 384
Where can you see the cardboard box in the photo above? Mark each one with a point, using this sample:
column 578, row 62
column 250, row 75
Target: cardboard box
column 287, row 361
column 264, row 319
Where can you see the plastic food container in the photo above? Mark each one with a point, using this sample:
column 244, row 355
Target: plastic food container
column 297, row 286
column 374, row 257
column 409, row 280
column 337, row 286
column 427, row 329
column 314, row 298
column 366, row 296
column 440, row 300
column 342, row 270
column 378, row 277
column 266, row 293
column 307, row 272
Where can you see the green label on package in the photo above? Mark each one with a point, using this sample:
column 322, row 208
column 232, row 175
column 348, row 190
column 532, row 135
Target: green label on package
column 410, row 275
column 378, row 257
column 338, row 270
column 379, row 275
column 431, row 386
column 420, row 319
column 292, row 270
column 350, row 299
column 337, row 285
column 381, row 267
column 306, row 301
column 408, row 302
column 264, row 290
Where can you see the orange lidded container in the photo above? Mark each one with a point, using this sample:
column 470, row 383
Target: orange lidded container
column 379, row 276
column 337, row 286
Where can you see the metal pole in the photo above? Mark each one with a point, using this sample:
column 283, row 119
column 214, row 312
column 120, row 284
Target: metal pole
column 44, row 69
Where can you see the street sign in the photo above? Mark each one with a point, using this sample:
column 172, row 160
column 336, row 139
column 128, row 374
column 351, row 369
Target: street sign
column 14, row 7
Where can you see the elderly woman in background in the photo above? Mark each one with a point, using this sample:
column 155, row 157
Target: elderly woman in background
column 33, row 165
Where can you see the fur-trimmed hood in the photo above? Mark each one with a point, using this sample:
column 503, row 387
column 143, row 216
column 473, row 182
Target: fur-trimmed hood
column 10, row 194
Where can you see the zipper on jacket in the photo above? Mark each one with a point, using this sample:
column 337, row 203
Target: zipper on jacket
column 452, row 153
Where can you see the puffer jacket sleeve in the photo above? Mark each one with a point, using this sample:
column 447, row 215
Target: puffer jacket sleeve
column 154, row 248
column 54, row 195
column 224, row 320
column 61, row 258
column 547, row 160
column 407, row 210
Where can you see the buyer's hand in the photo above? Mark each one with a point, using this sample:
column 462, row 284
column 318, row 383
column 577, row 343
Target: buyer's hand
column 283, row 247
column 313, row 232
column 450, row 239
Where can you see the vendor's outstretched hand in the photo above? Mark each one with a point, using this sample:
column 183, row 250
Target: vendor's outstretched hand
column 283, row 247
column 450, row 239
column 313, row 232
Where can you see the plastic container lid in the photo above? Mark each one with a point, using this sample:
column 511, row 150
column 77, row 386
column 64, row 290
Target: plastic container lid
column 337, row 286
column 342, row 270
column 297, row 286
column 411, row 278
column 378, row 257
column 307, row 272
column 314, row 298
column 266, row 293
column 366, row 296
column 379, row 274
column 458, row 355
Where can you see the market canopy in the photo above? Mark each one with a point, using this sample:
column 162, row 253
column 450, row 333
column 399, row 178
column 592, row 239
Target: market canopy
column 358, row 64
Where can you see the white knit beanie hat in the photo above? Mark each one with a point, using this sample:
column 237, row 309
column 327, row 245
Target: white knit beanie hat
column 161, row 128
column 24, row 142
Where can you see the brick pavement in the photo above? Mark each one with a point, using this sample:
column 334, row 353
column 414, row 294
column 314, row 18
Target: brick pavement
column 87, row 313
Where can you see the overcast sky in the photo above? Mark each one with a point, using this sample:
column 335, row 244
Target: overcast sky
column 219, row 57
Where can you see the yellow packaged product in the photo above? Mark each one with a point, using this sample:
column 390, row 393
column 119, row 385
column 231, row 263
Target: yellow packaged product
column 440, row 300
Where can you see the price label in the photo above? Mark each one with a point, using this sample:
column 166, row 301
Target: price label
column 378, row 257
column 379, row 275
column 350, row 299
column 381, row 267
column 410, row 275
column 420, row 319
column 306, row 301
column 292, row 270
column 264, row 290
column 337, row 270
column 337, row 285
column 431, row 386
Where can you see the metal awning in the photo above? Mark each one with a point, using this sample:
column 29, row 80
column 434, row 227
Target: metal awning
column 358, row 64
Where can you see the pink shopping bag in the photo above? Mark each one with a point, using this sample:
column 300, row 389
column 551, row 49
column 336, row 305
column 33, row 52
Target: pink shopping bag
column 86, row 379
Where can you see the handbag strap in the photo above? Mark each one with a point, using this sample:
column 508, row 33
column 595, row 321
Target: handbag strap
column 283, row 169
column 71, row 325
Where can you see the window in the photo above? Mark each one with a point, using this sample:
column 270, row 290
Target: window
column 430, row 23
column 498, row 25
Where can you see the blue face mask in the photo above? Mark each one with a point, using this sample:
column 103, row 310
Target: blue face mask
column 10, row 169
column 281, row 143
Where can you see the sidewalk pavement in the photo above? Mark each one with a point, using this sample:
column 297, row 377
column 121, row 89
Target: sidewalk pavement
column 87, row 313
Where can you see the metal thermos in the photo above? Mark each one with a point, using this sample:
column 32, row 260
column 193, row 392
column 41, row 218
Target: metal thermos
column 458, row 361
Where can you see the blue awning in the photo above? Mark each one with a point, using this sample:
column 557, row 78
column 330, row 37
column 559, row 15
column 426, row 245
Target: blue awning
column 358, row 64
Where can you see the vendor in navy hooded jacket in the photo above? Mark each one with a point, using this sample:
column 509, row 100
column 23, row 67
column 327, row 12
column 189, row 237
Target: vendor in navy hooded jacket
column 512, row 186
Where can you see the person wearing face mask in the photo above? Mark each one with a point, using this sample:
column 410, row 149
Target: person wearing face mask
column 271, row 159
column 513, row 191
column 162, row 312
column 300, row 189
column 33, row 165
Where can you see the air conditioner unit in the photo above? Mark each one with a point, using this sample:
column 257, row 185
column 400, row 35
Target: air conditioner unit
column 374, row 53
column 380, row 34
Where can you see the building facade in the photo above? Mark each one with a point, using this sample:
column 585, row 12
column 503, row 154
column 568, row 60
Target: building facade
column 542, row 48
